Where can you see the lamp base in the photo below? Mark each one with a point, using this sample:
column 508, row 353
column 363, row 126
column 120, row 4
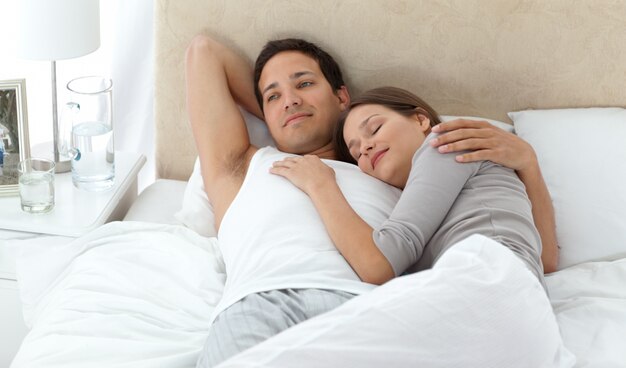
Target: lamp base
column 62, row 166
column 45, row 150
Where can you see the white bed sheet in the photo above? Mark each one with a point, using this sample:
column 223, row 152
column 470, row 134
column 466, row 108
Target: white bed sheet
column 138, row 294
column 589, row 301
column 129, row 294
column 478, row 307
column 158, row 202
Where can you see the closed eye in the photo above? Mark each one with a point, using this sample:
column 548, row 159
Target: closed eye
column 355, row 154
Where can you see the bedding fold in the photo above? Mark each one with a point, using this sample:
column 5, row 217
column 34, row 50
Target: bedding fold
column 129, row 294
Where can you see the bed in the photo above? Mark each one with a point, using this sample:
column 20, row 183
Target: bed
column 139, row 293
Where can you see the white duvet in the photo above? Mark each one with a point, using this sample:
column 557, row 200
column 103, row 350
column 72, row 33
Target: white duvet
column 135, row 294
column 589, row 300
column 129, row 294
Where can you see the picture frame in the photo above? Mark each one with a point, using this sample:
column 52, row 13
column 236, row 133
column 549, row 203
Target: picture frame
column 14, row 144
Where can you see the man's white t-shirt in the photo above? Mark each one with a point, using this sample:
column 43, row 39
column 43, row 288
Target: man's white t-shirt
column 273, row 238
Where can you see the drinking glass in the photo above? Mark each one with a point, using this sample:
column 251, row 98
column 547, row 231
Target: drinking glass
column 91, row 144
column 36, row 184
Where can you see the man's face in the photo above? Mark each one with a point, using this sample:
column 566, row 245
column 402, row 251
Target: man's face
column 300, row 106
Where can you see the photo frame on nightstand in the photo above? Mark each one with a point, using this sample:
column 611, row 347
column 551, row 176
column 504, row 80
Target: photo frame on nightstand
column 14, row 145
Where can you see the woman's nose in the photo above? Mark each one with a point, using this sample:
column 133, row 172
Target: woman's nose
column 366, row 146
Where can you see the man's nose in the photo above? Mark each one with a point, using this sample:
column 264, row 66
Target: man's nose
column 292, row 99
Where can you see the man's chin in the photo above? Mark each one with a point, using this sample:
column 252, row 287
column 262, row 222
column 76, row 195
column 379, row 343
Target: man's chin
column 291, row 148
column 296, row 145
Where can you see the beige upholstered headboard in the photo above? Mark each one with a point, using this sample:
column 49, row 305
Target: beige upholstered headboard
column 466, row 57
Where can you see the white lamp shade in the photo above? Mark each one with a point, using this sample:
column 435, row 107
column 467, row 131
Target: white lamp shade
column 58, row 29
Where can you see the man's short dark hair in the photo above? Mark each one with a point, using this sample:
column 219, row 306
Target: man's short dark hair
column 327, row 64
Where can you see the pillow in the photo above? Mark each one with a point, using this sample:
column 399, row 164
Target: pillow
column 197, row 212
column 581, row 153
column 502, row 125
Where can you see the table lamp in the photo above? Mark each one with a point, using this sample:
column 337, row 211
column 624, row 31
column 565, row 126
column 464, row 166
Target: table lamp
column 55, row 30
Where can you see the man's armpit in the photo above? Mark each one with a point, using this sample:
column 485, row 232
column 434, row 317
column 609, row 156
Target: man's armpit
column 236, row 165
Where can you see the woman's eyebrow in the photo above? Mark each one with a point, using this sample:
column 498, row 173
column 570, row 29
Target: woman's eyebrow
column 361, row 127
column 351, row 143
column 364, row 122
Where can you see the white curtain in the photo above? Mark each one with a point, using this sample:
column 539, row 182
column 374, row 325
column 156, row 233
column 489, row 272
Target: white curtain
column 132, row 74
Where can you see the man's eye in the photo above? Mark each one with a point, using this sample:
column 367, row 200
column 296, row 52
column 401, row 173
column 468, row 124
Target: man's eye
column 305, row 84
column 271, row 97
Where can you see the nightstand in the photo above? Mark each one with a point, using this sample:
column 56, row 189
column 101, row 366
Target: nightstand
column 75, row 213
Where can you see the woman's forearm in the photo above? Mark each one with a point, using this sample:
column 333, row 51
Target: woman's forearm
column 352, row 236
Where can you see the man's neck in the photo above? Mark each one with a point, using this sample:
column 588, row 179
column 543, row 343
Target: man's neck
column 326, row 152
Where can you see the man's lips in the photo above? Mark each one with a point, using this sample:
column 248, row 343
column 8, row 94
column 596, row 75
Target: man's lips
column 291, row 119
column 377, row 156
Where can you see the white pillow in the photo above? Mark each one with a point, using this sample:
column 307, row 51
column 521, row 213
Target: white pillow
column 502, row 125
column 197, row 212
column 582, row 155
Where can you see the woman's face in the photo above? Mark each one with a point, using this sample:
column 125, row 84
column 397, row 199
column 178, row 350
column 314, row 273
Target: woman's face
column 383, row 141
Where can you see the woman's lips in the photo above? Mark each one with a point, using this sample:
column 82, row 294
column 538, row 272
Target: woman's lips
column 377, row 156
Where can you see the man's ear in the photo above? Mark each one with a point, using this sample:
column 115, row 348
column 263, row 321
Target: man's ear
column 344, row 97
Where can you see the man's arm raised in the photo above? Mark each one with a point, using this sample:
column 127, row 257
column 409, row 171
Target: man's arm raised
column 216, row 81
column 488, row 142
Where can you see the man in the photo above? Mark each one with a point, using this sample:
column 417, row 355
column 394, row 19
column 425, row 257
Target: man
column 281, row 267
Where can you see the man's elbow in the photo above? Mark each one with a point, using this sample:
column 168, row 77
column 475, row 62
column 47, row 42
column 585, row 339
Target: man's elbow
column 203, row 48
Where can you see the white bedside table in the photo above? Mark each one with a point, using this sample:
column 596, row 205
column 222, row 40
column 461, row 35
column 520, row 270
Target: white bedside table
column 75, row 213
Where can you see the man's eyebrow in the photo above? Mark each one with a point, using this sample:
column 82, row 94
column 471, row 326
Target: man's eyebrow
column 295, row 75
column 272, row 85
column 361, row 126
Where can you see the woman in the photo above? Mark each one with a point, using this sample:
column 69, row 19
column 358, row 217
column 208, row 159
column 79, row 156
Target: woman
column 387, row 131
